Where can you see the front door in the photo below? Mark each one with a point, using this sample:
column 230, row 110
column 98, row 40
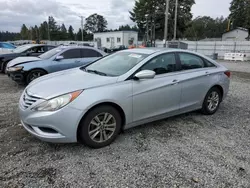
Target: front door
column 160, row 95
column 71, row 59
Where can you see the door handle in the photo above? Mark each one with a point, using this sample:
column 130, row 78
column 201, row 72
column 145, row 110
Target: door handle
column 174, row 82
column 77, row 61
column 207, row 74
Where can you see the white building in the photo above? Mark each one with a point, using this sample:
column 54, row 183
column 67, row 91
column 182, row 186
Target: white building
column 116, row 38
column 238, row 34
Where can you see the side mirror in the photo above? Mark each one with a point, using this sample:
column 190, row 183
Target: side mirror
column 145, row 74
column 58, row 58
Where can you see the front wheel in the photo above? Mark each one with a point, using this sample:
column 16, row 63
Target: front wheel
column 100, row 127
column 34, row 74
column 212, row 101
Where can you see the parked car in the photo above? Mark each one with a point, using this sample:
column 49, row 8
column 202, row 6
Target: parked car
column 92, row 104
column 21, row 51
column 26, row 69
column 6, row 47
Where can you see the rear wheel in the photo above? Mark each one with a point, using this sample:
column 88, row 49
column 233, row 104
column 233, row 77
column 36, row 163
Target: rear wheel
column 34, row 74
column 100, row 127
column 212, row 101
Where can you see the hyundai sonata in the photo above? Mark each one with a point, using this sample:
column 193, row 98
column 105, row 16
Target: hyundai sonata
column 92, row 104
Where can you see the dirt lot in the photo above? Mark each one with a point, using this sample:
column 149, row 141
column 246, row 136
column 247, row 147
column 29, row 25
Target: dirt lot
column 190, row 150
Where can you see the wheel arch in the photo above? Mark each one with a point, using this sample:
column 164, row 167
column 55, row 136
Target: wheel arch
column 116, row 106
column 32, row 69
column 220, row 89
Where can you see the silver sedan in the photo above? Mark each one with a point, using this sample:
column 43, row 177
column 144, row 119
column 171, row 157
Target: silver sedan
column 92, row 104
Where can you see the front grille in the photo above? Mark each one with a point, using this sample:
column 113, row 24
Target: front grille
column 28, row 100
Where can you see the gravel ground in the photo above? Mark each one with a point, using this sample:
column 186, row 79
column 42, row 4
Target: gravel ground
column 190, row 150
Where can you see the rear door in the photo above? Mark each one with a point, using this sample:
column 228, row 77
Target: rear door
column 160, row 95
column 71, row 59
column 196, row 78
column 88, row 56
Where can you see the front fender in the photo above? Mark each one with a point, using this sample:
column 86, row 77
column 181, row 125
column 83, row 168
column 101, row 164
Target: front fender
column 36, row 65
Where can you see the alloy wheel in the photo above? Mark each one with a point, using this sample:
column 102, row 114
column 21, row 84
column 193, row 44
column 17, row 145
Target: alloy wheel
column 213, row 101
column 35, row 75
column 102, row 127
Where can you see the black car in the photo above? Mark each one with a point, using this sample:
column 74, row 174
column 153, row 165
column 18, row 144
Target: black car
column 25, row 50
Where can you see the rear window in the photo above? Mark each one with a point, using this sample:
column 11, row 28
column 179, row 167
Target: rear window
column 90, row 53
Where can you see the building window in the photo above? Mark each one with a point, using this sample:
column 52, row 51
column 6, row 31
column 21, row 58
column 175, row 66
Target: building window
column 108, row 39
column 118, row 39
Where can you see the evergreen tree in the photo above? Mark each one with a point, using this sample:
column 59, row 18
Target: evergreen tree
column 24, row 32
column 71, row 33
column 43, row 30
column 151, row 13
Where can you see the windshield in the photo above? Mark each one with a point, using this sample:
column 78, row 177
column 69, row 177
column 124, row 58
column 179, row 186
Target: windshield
column 51, row 53
column 116, row 64
column 7, row 45
column 21, row 49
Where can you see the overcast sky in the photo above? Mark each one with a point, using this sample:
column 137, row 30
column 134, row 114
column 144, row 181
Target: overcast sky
column 30, row 12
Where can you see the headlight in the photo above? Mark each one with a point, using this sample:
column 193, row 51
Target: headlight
column 57, row 102
column 13, row 69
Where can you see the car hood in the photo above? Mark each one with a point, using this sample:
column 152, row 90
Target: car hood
column 63, row 82
column 22, row 60
column 6, row 51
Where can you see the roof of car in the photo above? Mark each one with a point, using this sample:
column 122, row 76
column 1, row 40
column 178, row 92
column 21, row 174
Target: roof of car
column 73, row 47
column 149, row 50
column 33, row 45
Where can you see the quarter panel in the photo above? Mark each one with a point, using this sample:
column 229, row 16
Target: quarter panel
column 195, row 85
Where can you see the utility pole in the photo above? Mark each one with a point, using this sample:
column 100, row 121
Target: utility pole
column 147, row 37
column 48, row 31
column 175, row 19
column 82, row 25
column 166, row 23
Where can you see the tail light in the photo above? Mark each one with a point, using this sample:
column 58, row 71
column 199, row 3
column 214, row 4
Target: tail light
column 228, row 73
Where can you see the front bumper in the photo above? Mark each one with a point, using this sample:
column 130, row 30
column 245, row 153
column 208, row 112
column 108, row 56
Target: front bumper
column 57, row 127
column 17, row 76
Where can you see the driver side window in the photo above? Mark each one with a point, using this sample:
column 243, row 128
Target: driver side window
column 162, row 64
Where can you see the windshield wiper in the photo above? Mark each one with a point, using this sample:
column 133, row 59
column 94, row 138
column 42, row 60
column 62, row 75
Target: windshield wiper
column 96, row 72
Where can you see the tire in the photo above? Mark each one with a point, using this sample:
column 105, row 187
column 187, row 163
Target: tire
column 212, row 101
column 34, row 74
column 3, row 66
column 90, row 128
